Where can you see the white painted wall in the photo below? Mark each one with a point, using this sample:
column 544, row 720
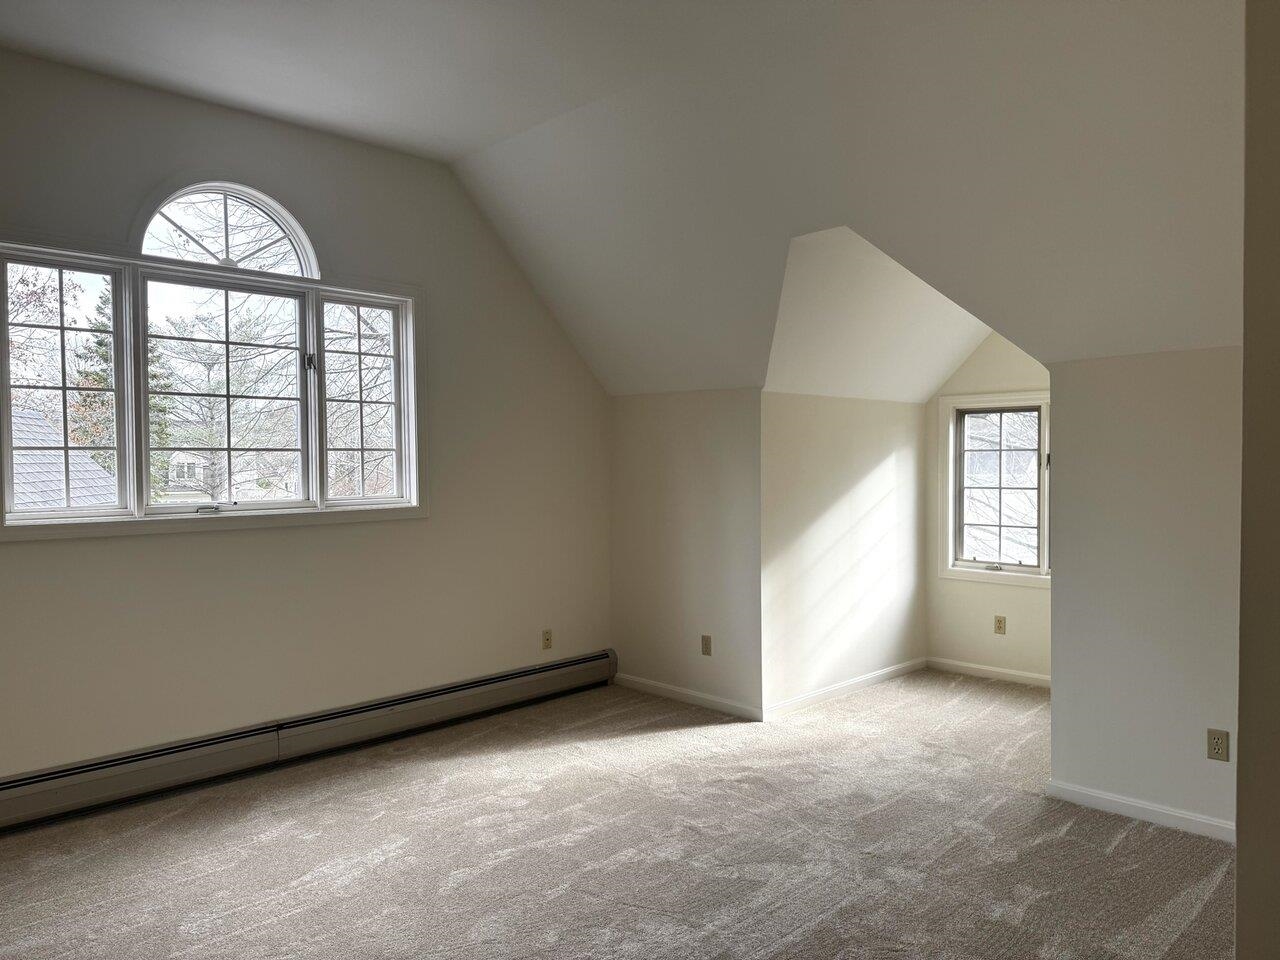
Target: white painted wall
column 960, row 613
column 1146, row 550
column 113, row 644
column 686, row 544
column 853, row 322
column 841, row 538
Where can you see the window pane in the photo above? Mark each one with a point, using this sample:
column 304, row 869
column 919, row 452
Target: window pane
column 249, row 228
column 981, row 506
column 35, row 356
column 199, row 218
column 1021, row 430
column 1020, row 468
column 1019, row 545
column 91, row 418
column 375, row 379
column 266, row 476
column 163, row 239
column 211, row 226
column 188, row 476
column 90, row 362
column 982, row 469
column 1020, row 508
column 177, row 310
column 33, row 294
column 86, row 301
column 379, row 474
column 342, row 376
column 981, row 543
column 39, row 480
column 340, row 327
column 981, row 431
column 258, row 242
column 279, row 257
column 187, row 366
column 344, row 473
column 257, row 424
column 375, row 331
column 342, row 424
column 36, row 418
column 264, row 372
column 93, row 478
column 360, row 397
column 379, row 426
column 178, row 421
column 258, row 318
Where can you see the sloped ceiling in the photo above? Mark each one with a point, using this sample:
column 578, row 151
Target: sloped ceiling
column 1068, row 171
column 855, row 323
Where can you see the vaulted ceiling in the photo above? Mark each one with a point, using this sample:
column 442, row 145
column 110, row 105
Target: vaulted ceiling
column 1067, row 171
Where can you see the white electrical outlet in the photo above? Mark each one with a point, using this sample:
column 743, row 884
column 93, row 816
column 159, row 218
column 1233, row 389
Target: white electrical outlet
column 1001, row 626
column 546, row 639
column 1219, row 745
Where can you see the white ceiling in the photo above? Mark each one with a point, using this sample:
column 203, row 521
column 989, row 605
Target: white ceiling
column 855, row 323
column 1069, row 171
column 435, row 77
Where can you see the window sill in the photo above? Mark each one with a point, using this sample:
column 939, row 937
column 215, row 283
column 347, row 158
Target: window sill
column 116, row 526
column 1008, row 578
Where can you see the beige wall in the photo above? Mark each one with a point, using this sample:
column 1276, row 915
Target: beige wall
column 1146, row 541
column 113, row 644
column 841, row 557
column 961, row 613
column 1258, row 829
column 686, row 544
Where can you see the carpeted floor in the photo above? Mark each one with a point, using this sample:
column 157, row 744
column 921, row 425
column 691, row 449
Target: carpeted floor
column 901, row 821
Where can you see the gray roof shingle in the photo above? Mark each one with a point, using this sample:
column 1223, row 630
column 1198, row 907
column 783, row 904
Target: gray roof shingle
column 37, row 474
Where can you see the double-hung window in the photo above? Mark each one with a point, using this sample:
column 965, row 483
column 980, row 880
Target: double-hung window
column 214, row 376
column 996, row 497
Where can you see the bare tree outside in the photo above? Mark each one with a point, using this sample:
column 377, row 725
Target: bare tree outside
column 218, row 228
column 62, row 386
column 223, row 395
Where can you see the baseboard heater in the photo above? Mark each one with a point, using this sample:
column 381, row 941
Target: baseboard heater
column 58, row 790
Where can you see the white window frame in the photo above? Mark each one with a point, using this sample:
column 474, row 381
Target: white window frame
column 130, row 274
column 950, row 567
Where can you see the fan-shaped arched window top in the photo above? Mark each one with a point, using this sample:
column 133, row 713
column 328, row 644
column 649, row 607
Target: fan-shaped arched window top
column 227, row 225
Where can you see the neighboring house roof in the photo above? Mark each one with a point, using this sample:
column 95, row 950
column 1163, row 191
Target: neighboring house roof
column 39, row 482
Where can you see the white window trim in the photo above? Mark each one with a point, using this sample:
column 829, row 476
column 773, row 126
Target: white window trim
column 135, row 518
column 948, row 569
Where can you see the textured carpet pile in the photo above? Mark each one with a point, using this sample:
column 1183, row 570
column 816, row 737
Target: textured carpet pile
column 904, row 821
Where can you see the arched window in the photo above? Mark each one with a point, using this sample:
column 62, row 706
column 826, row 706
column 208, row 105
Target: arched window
column 257, row 389
column 227, row 225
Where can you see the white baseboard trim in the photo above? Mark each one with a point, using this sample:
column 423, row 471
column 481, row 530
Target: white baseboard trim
column 1142, row 810
column 783, row 707
column 685, row 695
column 991, row 673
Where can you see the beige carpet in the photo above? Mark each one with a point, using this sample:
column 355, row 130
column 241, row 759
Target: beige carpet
column 901, row 821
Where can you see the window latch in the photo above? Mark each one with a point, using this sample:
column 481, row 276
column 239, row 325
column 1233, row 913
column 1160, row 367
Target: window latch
column 994, row 567
column 210, row 508
column 311, row 361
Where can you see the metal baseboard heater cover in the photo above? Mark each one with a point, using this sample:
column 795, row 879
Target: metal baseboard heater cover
column 58, row 790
